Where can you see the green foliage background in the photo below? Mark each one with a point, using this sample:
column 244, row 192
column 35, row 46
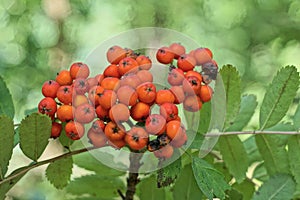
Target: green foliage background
column 38, row 38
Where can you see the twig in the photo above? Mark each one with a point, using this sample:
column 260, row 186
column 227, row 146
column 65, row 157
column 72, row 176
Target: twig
column 37, row 164
column 121, row 194
column 252, row 133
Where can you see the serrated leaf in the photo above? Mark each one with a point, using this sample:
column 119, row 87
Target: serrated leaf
column 89, row 162
column 35, row 131
column 252, row 150
column 149, row 185
column 277, row 187
column 6, row 143
column 6, row 102
column 59, row 172
column 186, row 187
column 272, row 149
column 210, row 181
column 294, row 159
column 234, row 156
column 99, row 186
column 167, row 175
column 246, row 188
column 279, row 95
column 247, row 109
column 296, row 118
column 63, row 139
column 232, row 84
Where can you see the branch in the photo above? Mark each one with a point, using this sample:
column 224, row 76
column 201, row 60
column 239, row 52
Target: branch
column 132, row 179
column 252, row 133
column 37, row 164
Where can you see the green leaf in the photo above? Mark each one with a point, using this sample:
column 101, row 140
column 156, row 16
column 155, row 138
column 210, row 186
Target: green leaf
column 210, row 181
column 103, row 187
column 59, row 172
column 294, row 159
column 232, row 84
column 6, row 102
column 234, row 156
column 234, row 195
column 246, row 188
column 272, row 149
column 147, row 189
column 260, row 173
column 247, row 109
column 35, row 131
column 64, row 140
column 186, row 187
column 205, row 117
column 6, row 143
column 252, row 150
column 167, row 175
column 277, row 187
column 296, row 118
column 279, row 95
column 89, row 162
column 204, row 121
column 217, row 117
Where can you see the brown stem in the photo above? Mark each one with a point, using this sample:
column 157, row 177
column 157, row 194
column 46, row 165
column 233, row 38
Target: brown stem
column 37, row 164
column 132, row 179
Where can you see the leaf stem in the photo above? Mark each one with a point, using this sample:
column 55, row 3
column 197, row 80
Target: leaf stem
column 211, row 134
column 37, row 164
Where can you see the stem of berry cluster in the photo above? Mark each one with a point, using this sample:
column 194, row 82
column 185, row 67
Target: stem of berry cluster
column 133, row 179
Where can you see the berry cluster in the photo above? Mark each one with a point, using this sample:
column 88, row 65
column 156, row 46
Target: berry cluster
column 118, row 102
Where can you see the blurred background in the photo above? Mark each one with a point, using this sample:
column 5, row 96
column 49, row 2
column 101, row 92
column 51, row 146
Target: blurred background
column 38, row 38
